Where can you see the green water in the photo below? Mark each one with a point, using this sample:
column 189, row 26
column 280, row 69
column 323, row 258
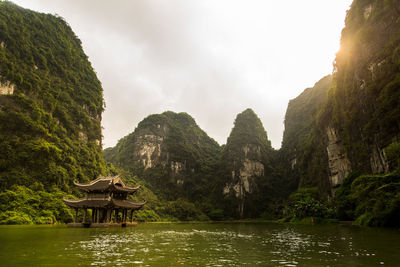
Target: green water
column 208, row 244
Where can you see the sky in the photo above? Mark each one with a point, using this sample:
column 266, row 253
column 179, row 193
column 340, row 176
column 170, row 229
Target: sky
column 209, row 58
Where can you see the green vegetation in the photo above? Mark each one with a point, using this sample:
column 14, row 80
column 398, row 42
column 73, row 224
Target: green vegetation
column 303, row 148
column 248, row 142
column 50, row 126
column 22, row 205
column 363, row 105
column 372, row 200
column 305, row 204
column 183, row 164
column 50, row 135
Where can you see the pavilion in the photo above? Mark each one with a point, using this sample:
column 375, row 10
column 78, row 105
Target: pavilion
column 107, row 198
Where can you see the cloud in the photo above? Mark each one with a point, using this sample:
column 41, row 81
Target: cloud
column 211, row 59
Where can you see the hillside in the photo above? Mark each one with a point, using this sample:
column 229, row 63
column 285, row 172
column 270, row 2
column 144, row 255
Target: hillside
column 347, row 145
column 362, row 114
column 363, row 105
column 302, row 150
column 246, row 166
column 50, row 111
column 179, row 162
column 171, row 154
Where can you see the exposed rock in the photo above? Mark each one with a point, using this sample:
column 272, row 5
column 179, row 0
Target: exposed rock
column 6, row 88
column 250, row 168
column 252, row 149
column 379, row 163
column 339, row 164
column 149, row 150
column 176, row 167
column 243, row 179
column 245, row 158
column 367, row 11
column 293, row 163
column 303, row 153
column 82, row 137
column 2, row 44
column 375, row 67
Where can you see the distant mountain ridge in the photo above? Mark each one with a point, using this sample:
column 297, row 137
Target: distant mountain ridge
column 176, row 159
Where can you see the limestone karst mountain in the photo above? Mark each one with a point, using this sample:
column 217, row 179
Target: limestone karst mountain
column 304, row 150
column 50, row 112
column 247, row 162
column 171, row 154
column 50, row 102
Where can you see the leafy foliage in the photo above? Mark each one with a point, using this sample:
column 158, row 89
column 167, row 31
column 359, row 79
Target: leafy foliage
column 248, row 141
column 303, row 149
column 363, row 105
column 50, row 126
column 305, row 203
column 181, row 142
column 23, row 205
column 372, row 200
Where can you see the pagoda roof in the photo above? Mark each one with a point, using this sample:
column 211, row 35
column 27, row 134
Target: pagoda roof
column 126, row 204
column 113, row 184
column 103, row 203
column 87, row 203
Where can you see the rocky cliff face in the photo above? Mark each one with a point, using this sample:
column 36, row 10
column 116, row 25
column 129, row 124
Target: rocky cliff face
column 243, row 172
column 362, row 111
column 304, row 146
column 339, row 164
column 148, row 147
column 170, row 152
column 346, row 125
column 246, row 159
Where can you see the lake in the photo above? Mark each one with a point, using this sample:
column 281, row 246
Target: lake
column 200, row 244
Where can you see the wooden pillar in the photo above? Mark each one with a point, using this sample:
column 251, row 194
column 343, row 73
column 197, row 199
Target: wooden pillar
column 131, row 216
column 116, row 216
column 107, row 219
column 76, row 215
column 98, row 215
column 93, row 210
column 84, row 215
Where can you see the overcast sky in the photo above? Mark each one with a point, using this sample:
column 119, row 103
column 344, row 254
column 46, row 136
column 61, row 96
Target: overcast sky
column 209, row 58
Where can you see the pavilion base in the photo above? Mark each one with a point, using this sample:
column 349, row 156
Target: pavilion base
column 101, row 225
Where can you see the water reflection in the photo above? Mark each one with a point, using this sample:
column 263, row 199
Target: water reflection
column 224, row 245
column 200, row 245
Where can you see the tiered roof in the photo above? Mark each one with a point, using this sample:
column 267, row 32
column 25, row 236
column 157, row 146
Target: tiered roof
column 103, row 185
column 107, row 184
column 103, row 203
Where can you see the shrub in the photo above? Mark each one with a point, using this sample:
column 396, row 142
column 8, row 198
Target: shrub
column 14, row 217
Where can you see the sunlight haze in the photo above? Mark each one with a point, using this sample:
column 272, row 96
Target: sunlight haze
column 211, row 59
